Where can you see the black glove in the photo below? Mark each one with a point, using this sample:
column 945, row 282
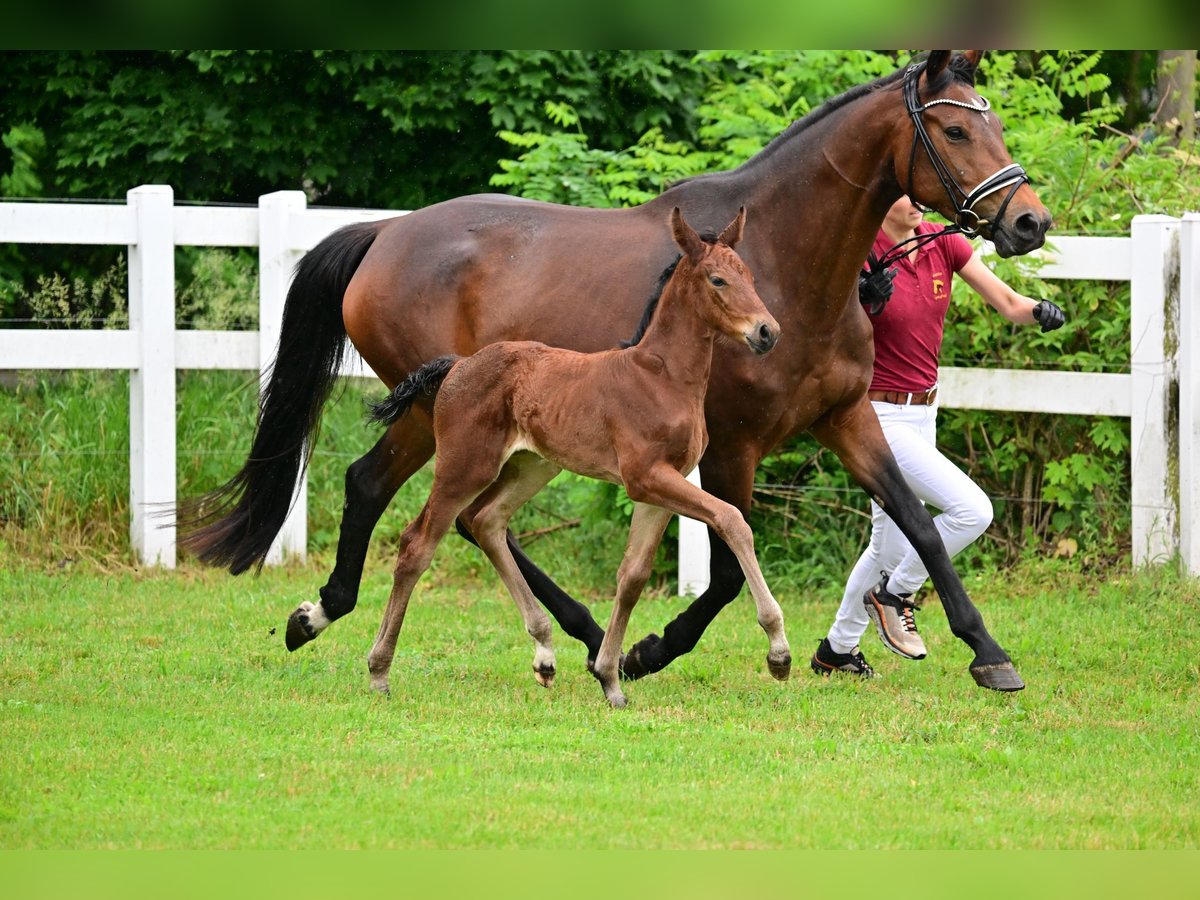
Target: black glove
column 874, row 289
column 1049, row 315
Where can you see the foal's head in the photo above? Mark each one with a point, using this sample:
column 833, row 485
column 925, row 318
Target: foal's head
column 721, row 285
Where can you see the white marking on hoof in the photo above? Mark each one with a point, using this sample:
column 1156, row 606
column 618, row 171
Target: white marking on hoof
column 317, row 620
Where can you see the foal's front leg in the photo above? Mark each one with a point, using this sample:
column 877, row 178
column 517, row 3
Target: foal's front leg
column 645, row 534
column 663, row 486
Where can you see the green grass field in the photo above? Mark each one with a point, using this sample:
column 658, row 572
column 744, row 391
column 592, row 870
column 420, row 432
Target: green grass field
column 160, row 710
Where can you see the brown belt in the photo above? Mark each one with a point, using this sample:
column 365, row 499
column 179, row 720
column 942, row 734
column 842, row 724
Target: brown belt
column 903, row 398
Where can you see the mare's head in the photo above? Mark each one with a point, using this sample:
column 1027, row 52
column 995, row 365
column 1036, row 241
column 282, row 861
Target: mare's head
column 721, row 286
column 953, row 159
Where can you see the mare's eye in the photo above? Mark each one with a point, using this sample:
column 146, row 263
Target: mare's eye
column 955, row 133
column 716, row 281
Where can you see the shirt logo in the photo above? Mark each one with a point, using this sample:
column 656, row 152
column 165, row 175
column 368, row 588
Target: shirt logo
column 939, row 286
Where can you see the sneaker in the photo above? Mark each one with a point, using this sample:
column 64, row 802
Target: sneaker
column 825, row 661
column 894, row 620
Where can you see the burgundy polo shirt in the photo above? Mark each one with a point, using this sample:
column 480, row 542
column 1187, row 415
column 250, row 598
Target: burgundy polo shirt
column 908, row 333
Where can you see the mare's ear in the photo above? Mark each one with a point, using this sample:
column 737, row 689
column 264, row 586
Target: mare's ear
column 733, row 231
column 685, row 236
column 972, row 57
column 938, row 59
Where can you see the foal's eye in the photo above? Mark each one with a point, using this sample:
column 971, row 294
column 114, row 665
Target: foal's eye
column 717, row 281
column 955, row 133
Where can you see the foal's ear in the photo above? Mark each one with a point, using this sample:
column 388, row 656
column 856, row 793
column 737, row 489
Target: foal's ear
column 685, row 236
column 938, row 59
column 733, row 231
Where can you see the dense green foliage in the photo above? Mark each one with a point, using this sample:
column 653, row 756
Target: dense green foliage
column 602, row 129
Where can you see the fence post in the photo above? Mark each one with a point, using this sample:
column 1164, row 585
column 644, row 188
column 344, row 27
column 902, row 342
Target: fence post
column 152, row 384
column 1153, row 432
column 1189, row 392
column 276, row 262
column 693, row 551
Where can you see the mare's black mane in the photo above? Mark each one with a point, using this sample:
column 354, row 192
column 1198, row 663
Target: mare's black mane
column 958, row 69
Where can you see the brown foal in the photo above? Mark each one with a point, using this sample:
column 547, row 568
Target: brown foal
column 507, row 419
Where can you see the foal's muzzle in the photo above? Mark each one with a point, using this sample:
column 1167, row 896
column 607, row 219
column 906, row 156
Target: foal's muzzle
column 763, row 338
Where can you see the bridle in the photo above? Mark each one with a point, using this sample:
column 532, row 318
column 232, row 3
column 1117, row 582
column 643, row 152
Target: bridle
column 966, row 221
column 1012, row 176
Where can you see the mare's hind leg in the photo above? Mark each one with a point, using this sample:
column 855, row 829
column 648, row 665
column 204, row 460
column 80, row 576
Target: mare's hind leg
column 487, row 519
column 663, row 486
column 371, row 482
column 855, row 436
column 645, row 534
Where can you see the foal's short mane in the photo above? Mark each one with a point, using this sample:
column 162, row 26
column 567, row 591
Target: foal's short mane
column 652, row 304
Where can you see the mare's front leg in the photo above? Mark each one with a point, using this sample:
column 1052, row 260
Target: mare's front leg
column 664, row 486
column 853, row 433
column 728, row 476
column 371, row 482
column 645, row 534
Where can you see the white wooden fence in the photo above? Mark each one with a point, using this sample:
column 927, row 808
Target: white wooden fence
column 1160, row 394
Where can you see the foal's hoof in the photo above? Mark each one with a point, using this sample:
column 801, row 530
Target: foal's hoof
column 780, row 666
column 616, row 699
column 998, row 677
column 544, row 675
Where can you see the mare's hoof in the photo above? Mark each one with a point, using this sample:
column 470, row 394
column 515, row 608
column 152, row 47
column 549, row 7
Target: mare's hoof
column 617, row 700
column 299, row 631
column 781, row 667
column 998, row 677
column 643, row 658
column 544, row 675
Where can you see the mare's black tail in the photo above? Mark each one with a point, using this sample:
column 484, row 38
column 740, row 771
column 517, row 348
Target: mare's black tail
column 234, row 525
column 423, row 382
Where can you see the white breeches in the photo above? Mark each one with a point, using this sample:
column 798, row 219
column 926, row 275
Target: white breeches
column 966, row 512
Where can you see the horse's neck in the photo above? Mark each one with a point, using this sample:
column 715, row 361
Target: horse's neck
column 830, row 185
column 679, row 337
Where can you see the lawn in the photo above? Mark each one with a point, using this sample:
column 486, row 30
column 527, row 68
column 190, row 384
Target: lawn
column 160, row 710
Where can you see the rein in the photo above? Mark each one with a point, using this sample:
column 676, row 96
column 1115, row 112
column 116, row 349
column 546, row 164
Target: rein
column 1012, row 176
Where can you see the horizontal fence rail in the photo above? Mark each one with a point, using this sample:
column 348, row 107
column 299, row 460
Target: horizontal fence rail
column 1160, row 394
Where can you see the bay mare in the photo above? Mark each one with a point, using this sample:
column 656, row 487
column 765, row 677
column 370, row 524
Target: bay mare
column 456, row 276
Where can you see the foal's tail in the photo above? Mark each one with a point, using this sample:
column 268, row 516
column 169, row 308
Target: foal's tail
column 234, row 525
column 423, row 382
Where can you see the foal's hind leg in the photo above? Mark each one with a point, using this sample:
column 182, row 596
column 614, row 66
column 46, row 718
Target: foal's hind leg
column 371, row 482
column 417, row 545
column 645, row 534
column 487, row 519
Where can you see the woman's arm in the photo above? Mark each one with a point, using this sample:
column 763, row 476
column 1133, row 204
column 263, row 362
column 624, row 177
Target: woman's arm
column 1013, row 306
